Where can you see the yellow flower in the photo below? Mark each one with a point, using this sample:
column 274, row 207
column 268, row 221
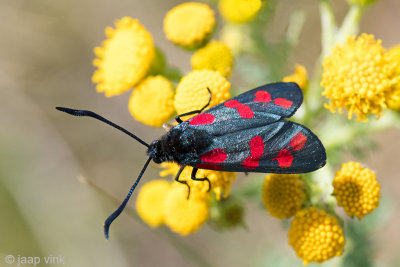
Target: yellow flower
column 189, row 24
column 239, row 11
column 220, row 181
column 152, row 101
column 299, row 76
column 150, row 202
column 394, row 55
column 316, row 236
column 182, row 215
column 359, row 77
column 214, row 56
column 356, row 189
column 191, row 93
column 124, row 58
column 283, row 194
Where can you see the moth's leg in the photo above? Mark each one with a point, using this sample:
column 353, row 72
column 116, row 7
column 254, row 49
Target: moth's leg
column 178, row 118
column 193, row 176
column 182, row 182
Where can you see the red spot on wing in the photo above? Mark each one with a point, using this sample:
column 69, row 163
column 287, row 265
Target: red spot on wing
column 244, row 111
column 298, row 141
column 256, row 150
column 209, row 166
column 283, row 102
column 216, row 155
column 284, row 158
column 250, row 162
column 262, row 96
column 201, row 119
column 256, row 146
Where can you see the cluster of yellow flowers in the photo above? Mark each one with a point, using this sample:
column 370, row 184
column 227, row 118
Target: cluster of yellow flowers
column 129, row 58
column 359, row 76
column 160, row 202
column 314, row 234
column 129, row 55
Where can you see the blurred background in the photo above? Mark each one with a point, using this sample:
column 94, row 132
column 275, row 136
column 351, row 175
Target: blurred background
column 46, row 61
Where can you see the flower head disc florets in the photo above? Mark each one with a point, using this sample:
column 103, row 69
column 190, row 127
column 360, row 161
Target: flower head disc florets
column 124, row 58
column 214, row 56
column 356, row 189
column 152, row 101
column 283, row 194
column 239, row 11
column 191, row 93
column 184, row 215
column 189, row 24
column 150, row 202
column 359, row 77
column 316, row 236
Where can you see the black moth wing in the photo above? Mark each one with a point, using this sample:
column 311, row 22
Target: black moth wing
column 279, row 147
column 256, row 107
column 248, row 134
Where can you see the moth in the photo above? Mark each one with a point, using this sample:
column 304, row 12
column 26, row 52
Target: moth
column 247, row 133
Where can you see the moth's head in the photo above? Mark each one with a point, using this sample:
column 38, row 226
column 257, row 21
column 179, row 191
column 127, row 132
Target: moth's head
column 155, row 152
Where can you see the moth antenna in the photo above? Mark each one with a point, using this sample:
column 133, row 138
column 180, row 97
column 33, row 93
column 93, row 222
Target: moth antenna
column 117, row 212
column 79, row 112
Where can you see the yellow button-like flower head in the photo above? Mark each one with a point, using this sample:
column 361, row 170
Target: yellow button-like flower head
column 283, row 194
column 124, row 58
column 150, row 202
column 182, row 215
column 394, row 56
column 316, row 236
column 356, row 189
column 239, row 11
column 220, row 181
column 189, row 24
column 152, row 101
column 214, row 56
column 299, row 76
column 191, row 93
column 359, row 77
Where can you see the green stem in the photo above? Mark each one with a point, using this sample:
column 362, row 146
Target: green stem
column 328, row 26
column 186, row 251
column 313, row 103
column 351, row 24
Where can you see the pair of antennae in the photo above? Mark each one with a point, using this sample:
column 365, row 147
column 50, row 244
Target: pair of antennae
column 87, row 113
